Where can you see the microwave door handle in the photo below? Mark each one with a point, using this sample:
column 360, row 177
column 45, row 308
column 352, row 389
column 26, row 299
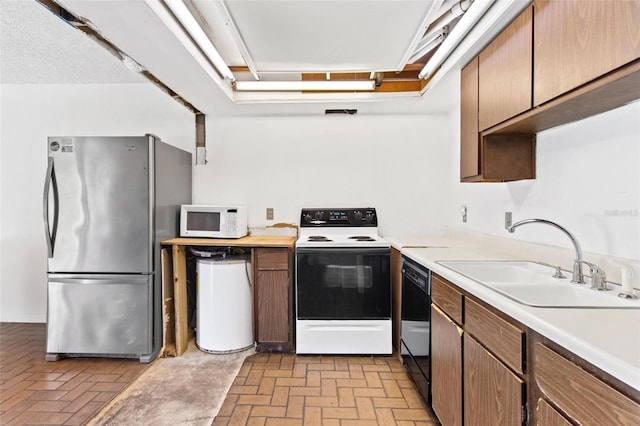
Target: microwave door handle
column 50, row 183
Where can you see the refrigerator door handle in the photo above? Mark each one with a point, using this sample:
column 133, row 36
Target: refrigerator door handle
column 50, row 183
column 141, row 279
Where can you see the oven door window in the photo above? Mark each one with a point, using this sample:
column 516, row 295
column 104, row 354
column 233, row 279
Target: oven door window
column 343, row 283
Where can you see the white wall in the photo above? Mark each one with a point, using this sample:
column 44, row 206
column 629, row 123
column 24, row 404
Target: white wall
column 29, row 114
column 404, row 165
column 394, row 163
column 588, row 180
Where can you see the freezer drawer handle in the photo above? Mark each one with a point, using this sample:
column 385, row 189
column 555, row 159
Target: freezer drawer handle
column 50, row 183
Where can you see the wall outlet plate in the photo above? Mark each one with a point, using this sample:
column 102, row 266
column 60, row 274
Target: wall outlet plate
column 269, row 213
column 507, row 220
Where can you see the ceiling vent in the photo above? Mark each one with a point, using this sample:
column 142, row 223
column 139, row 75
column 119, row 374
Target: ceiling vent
column 340, row 111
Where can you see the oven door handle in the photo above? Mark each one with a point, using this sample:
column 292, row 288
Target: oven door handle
column 349, row 250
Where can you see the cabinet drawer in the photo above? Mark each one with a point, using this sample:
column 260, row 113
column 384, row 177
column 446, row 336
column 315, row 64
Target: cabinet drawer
column 272, row 259
column 446, row 297
column 502, row 338
column 582, row 396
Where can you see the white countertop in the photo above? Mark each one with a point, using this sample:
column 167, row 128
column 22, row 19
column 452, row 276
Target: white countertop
column 607, row 338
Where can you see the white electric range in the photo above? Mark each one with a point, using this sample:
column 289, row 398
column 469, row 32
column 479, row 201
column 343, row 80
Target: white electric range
column 343, row 283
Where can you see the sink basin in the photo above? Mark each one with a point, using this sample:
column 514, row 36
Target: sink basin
column 532, row 284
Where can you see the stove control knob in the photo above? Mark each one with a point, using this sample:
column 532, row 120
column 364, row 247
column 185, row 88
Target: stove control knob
column 307, row 218
column 357, row 214
column 369, row 217
column 319, row 215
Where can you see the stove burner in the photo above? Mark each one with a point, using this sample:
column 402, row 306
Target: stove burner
column 362, row 238
column 318, row 238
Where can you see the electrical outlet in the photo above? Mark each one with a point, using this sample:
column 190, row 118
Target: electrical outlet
column 269, row 213
column 507, row 220
column 463, row 213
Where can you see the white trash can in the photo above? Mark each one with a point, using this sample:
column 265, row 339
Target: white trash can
column 224, row 308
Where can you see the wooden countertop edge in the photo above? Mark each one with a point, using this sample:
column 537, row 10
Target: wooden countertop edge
column 248, row 241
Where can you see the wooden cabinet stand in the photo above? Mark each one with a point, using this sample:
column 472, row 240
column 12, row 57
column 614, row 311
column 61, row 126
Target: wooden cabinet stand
column 273, row 299
column 272, row 260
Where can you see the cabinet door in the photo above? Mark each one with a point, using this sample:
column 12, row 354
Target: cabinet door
column 582, row 396
column 469, row 137
column 493, row 395
column 578, row 41
column 273, row 306
column 546, row 415
column 505, row 73
column 446, row 368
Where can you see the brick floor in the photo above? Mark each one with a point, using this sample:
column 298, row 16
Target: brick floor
column 67, row 392
column 282, row 389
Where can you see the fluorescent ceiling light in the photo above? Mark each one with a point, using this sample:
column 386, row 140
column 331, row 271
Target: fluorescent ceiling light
column 302, row 85
column 464, row 25
column 428, row 19
column 189, row 23
column 494, row 21
column 427, row 47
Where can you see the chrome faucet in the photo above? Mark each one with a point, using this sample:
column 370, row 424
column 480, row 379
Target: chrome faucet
column 577, row 276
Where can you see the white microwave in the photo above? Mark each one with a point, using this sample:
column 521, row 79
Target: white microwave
column 213, row 221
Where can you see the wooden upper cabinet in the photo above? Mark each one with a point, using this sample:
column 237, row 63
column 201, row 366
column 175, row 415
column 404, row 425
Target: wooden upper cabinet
column 505, row 72
column 578, row 41
column 469, row 137
column 493, row 158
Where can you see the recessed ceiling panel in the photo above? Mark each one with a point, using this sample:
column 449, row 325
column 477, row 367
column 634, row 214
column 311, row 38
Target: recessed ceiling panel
column 327, row 35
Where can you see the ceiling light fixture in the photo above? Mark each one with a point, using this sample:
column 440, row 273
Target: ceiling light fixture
column 494, row 21
column 304, row 85
column 428, row 47
column 428, row 19
column 191, row 35
column 464, row 25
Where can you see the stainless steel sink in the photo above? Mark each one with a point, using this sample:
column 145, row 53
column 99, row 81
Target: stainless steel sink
column 533, row 284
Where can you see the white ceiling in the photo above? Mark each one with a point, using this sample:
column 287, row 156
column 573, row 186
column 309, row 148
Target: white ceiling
column 329, row 35
column 36, row 47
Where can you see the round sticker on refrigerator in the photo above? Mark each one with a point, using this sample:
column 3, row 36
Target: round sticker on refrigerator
column 55, row 145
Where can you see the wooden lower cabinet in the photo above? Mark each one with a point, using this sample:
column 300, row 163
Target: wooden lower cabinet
column 493, row 395
column 273, row 295
column 477, row 361
column 446, row 368
column 583, row 397
column 546, row 415
column 488, row 369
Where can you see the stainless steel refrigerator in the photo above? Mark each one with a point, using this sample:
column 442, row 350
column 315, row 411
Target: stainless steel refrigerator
column 108, row 203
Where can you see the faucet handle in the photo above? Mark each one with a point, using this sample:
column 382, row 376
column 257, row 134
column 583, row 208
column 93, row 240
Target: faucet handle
column 598, row 277
column 559, row 273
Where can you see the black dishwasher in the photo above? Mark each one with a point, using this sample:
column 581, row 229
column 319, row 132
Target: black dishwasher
column 416, row 323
